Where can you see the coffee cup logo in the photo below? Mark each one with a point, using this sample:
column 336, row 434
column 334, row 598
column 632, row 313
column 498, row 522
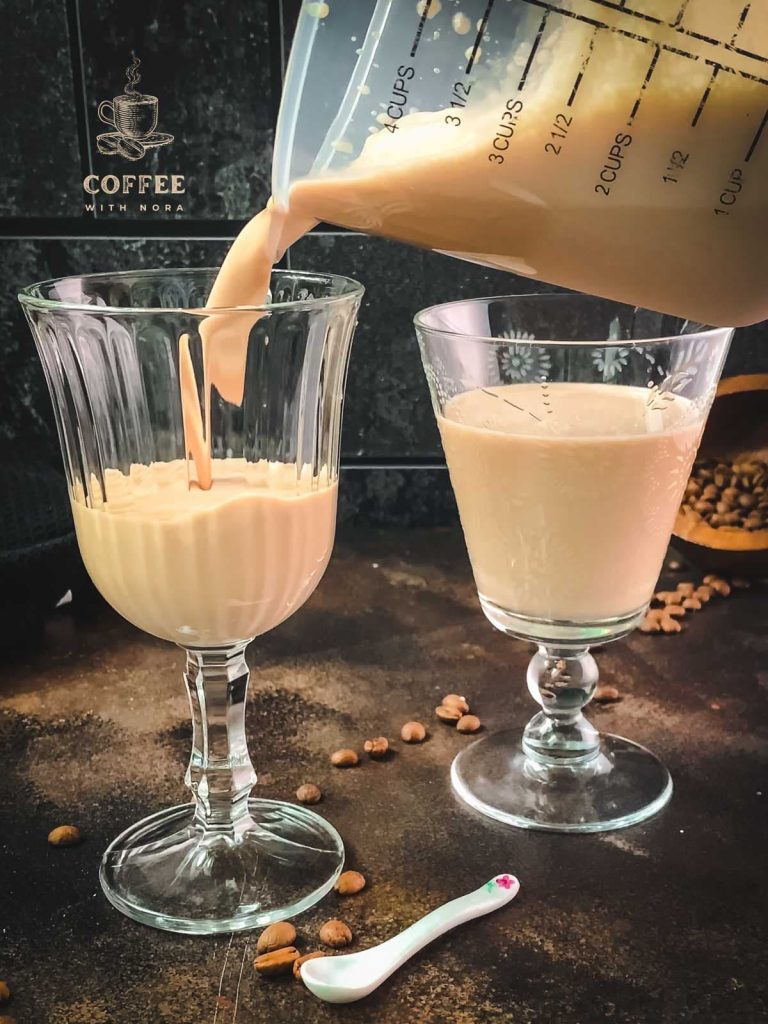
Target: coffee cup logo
column 133, row 116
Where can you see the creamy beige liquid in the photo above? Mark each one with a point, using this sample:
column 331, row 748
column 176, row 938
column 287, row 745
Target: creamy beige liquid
column 567, row 514
column 587, row 195
column 207, row 567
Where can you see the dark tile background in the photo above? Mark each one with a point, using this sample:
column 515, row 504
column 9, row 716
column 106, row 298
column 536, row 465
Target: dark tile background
column 216, row 68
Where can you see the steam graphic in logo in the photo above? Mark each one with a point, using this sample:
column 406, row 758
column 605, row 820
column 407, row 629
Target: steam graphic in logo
column 133, row 117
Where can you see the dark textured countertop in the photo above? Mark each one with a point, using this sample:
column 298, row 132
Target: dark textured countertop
column 664, row 922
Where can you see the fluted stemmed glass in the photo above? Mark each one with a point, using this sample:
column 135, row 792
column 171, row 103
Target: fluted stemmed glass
column 207, row 552
column 569, row 426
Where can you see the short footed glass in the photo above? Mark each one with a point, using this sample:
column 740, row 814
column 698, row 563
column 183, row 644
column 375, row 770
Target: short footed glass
column 569, row 425
column 211, row 568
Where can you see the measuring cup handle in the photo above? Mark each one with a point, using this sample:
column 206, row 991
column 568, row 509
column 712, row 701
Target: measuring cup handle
column 106, row 112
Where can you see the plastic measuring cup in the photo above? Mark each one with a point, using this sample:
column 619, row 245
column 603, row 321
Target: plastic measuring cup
column 618, row 147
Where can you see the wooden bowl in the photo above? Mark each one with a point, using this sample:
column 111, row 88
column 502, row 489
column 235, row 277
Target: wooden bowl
column 737, row 428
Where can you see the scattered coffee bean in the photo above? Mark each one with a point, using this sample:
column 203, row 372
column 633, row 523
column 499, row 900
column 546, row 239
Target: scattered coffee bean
column 64, row 835
column 446, row 713
column 349, row 882
column 377, row 748
column 720, row 587
column 692, row 604
column 667, row 597
column 671, row 626
column 454, row 700
column 297, row 963
column 686, row 589
column 703, row 593
column 650, row 624
column 345, row 758
column 309, row 793
column 335, row 934
column 605, row 694
column 675, row 610
column 468, row 723
column 5, row 992
column 276, row 936
column 739, row 583
column 279, row 961
column 413, row 732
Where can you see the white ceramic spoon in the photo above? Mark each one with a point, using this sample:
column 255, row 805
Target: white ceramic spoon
column 343, row 979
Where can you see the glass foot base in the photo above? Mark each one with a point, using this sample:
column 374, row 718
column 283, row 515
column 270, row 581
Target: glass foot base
column 165, row 872
column 623, row 785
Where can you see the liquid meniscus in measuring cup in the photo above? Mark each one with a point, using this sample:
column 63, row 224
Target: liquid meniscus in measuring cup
column 618, row 147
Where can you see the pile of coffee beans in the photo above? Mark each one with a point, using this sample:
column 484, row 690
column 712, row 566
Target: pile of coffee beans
column 729, row 496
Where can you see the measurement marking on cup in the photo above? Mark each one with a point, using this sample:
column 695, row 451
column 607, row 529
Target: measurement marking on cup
column 506, row 401
column 479, row 37
column 705, row 97
column 644, row 86
column 740, row 26
column 626, row 10
column 420, row 29
column 680, row 14
column 756, row 140
column 534, row 48
column 582, row 70
column 668, row 47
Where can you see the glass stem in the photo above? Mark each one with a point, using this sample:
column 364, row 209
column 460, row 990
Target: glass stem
column 220, row 772
column 562, row 680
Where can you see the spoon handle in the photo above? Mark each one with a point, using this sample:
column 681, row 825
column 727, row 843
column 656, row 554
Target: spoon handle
column 494, row 894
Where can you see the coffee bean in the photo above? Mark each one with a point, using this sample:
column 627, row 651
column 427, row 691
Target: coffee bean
column 335, row 934
column 453, row 700
column 345, row 758
column 468, row 723
column 650, row 625
column 280, row 961
column 605, row 694
column 65, row 835
column 131, row 149
column 377, row 748
column 309, row 793
column 276, row 936
column 349, row 883
column 413, row 732
column 447, row 714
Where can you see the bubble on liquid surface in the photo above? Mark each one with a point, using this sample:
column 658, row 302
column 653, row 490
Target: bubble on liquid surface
column 470, row 50
column 461, row 23
column 342, row 146
column 364, row 89
column 434, row 8
column 317, row 10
